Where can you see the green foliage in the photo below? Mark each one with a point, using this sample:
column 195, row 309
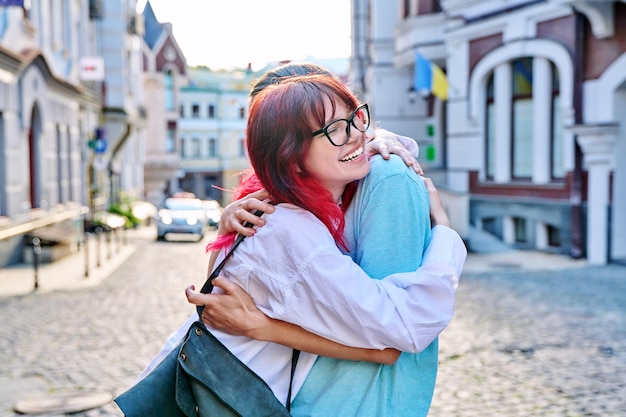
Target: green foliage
column 123, row 208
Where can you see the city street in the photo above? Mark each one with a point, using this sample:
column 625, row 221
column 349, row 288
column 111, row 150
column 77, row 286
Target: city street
column 524, row 341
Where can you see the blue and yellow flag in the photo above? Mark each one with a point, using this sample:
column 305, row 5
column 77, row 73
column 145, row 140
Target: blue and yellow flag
column 429, row 78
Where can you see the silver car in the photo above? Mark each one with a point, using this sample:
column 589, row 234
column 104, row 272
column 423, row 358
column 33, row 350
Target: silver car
column 181, row 215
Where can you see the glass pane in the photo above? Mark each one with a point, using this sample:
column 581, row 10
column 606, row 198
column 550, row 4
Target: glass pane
column 522, row 77
column 170, row 143
column 491, row 143
column 523, row 138
column 520, row 229
column 558, row 170
column 490, row 88
column 169, row 91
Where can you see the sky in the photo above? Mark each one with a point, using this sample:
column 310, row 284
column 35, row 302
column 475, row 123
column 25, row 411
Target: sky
column 231, row 33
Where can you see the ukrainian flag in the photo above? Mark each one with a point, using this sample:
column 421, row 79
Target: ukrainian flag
column 429, row 78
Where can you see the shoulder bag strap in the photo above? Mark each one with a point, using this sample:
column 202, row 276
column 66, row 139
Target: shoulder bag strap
column 208, row 287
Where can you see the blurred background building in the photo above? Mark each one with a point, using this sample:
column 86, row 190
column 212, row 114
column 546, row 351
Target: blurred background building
column 524, row 135
column 517, row 107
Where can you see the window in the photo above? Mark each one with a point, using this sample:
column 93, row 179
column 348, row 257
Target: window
column 556, row 148
column 70, row 170
column 212, row 148
column 181, row 111
column 195, row 111
column 522, row 119
column 428, row 6
column 242, row 112
column 170, row 140
column 517, row 112
column 60, row 154
column 3, row 201
column 169, row 90
column 195, row 148
column 96, row 9
column 489, row 225
column 490, row 126
column 554, row 237
column 520, row 229
column 211, row 110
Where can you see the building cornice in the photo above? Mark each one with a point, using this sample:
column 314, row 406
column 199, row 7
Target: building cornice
column 599, row 13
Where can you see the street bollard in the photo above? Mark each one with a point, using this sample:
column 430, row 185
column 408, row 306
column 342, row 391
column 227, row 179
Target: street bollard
column 86, row 249
column 98, row 245
column 36, row 253
column 107, row 239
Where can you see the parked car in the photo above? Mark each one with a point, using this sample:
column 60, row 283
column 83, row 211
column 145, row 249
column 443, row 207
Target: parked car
column 181, row 215
column 213, row 212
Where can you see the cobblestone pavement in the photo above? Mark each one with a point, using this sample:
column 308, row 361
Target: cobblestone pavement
column 549, row 343
column 523, row 343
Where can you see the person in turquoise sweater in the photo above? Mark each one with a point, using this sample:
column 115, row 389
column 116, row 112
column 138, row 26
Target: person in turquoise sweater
column 388, row 227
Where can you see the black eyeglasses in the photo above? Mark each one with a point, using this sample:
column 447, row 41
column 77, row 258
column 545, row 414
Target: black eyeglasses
column 338, row 131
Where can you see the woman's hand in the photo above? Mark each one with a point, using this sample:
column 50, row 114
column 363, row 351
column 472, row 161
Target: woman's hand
column 438, row 213
column 238, row 213
column 386, row 143
column 233, row 312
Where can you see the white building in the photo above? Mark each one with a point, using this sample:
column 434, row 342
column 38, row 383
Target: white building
column 213, row 115
column 530, row 144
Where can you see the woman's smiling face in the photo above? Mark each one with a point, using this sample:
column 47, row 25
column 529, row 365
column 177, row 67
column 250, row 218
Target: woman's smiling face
column 337, row 166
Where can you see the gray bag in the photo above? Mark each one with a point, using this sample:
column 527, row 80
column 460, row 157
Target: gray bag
column 201, row 377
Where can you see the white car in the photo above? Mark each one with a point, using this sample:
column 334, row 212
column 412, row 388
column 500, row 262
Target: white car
column 181, row 215
column 213, row 212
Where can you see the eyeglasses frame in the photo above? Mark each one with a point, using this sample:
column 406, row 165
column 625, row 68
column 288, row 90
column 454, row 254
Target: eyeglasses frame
column 350, row 122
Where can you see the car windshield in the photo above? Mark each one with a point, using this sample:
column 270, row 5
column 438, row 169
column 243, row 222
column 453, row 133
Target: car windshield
column 183, row 204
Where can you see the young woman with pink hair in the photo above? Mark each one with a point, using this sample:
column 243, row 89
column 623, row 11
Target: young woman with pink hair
column 306, row 139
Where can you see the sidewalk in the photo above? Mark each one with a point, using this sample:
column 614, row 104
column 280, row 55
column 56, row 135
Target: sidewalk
column 72, row 271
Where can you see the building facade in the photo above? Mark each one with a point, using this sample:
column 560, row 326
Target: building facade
column 213, row 114
column 51, row 104
column 529, row 145
column 164, row 74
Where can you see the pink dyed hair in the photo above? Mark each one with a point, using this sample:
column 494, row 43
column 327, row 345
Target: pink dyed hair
column 281, row 119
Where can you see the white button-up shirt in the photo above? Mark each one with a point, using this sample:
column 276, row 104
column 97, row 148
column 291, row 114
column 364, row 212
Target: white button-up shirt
column 294, row 271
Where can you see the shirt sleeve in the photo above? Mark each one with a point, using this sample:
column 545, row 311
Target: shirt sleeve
column 330, row 295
